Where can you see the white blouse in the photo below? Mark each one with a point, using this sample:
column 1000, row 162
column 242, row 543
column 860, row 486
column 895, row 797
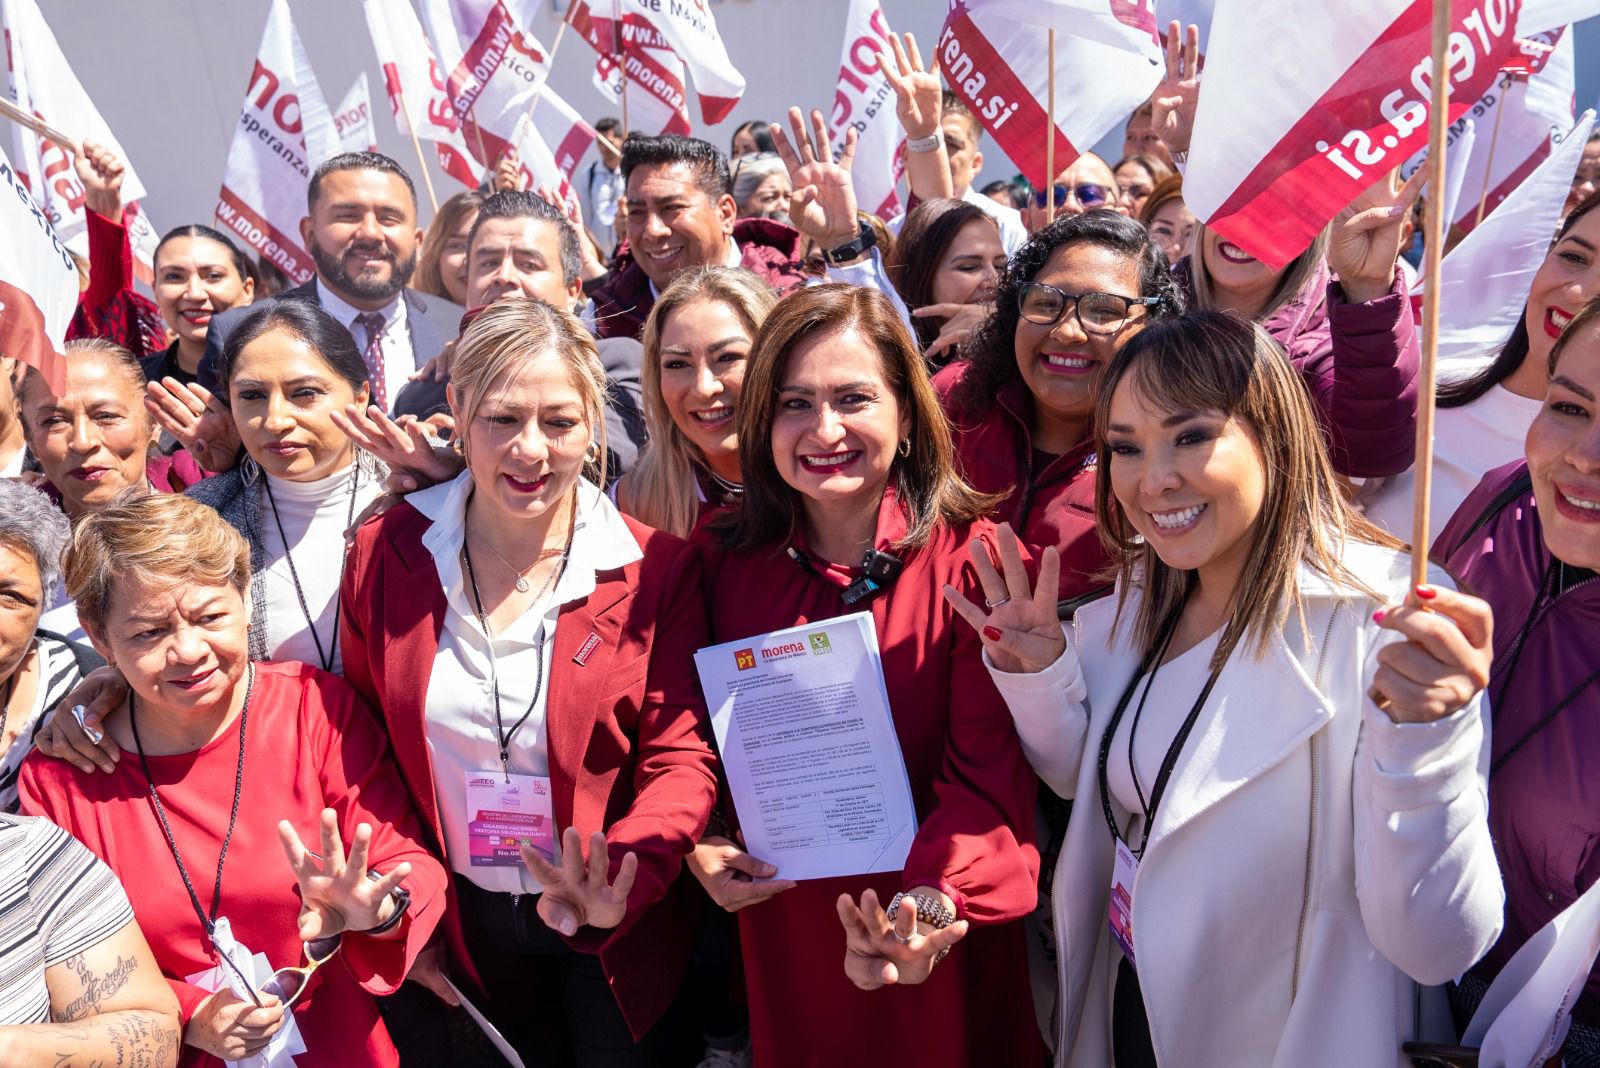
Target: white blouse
column 460, row 724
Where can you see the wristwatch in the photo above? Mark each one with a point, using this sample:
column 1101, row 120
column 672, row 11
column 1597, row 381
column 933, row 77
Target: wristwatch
column 402, row 901
column 930, row 143
column 866, row 238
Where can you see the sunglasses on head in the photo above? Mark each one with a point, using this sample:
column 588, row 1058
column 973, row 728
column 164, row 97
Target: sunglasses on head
column 1088, row 194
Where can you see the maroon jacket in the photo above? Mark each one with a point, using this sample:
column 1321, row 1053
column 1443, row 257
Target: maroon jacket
column 1544, row 797
column 1053, row 505
column 622, row 299
column 1360, row 363
column 629, row 740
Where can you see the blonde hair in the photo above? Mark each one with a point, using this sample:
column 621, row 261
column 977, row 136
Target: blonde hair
column 662, row 487
column 156, row 539
column 509, row 333
column 1296, row 275
column 1209, row 360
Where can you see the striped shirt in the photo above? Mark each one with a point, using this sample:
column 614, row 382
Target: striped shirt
column 56, row 900
column 58, row 674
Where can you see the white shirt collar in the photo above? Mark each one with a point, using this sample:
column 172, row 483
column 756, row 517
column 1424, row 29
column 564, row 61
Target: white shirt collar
column 600, row 542
column 394, row 313
column 733, row 258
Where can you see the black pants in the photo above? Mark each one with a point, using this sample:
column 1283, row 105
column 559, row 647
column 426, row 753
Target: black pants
column 550, row 1002
column 1130, row 1029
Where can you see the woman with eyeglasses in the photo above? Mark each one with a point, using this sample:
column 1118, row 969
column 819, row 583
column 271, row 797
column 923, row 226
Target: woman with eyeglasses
column 946, row 265
column 1021, row 406
column 1136, row 177
column 230, row 767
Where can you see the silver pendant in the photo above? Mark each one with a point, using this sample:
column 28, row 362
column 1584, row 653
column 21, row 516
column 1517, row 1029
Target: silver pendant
column 522, row 584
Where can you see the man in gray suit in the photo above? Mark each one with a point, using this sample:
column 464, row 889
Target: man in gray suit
column 361, row 230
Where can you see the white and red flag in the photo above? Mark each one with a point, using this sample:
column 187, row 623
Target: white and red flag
column 994, row 56
column 1536, row 16
column 352, row 119
column 636, row 69
column 40, row 81
column 38, row 282
column 1304, row 106
column 644, row 29
column 285, row 130
column 416, row 85
column 865, row 101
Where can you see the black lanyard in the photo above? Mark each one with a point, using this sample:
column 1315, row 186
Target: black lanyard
column 1148, row 667
column 208, row 922
column 1550, row 590
column 326, row 662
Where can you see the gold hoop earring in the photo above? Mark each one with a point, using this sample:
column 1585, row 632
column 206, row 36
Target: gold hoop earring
column 905, row 447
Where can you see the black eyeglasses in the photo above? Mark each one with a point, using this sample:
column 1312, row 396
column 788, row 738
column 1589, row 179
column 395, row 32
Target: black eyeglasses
column 1098, row 313
column 1089, row 195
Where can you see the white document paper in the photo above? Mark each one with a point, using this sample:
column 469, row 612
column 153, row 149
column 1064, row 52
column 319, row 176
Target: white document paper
column 808, row 743
column 496, row 1039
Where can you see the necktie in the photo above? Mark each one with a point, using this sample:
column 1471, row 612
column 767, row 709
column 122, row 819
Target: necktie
column 372, row 323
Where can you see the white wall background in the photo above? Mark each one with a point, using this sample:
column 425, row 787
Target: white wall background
column 169, row 75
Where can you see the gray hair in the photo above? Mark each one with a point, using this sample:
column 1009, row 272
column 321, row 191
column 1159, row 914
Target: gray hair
column 752, row 171
column 31, row 523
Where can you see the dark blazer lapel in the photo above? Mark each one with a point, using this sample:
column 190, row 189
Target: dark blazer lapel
column 576, row 688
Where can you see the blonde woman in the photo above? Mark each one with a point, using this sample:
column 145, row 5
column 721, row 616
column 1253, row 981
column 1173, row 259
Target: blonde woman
column 532, row 650
column 696, row 342
column 1281, row 827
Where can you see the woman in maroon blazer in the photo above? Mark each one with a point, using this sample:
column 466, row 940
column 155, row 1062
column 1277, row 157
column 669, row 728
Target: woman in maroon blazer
column 845, row 454
column 532, row 651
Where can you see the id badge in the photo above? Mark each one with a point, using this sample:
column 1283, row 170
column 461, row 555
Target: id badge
column 1121, row 913
column 504, row 816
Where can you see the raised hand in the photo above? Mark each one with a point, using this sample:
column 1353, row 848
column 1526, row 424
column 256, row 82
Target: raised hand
column 879, row 953
column 961, row 324
column 507, row 172
column 823, row 204
column 919, row 98
column 728, row 874
column 201, row 423
column 100, row 170
column 1021, row 632
column 1173, row 104
column 415, row 458
column 579, row 892
column 1444, row 663
column 335, row 893
column 1364, row 241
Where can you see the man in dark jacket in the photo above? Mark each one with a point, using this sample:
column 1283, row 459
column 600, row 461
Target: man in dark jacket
column 681, row 214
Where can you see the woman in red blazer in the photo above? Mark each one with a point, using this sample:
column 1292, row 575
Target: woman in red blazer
column 845, row 453
column 532, row 651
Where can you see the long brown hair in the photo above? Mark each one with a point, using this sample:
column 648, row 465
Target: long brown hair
column 1208, row 360
column 925, row 482
column 913, row 263
column 1296, row 276
column 444, row 226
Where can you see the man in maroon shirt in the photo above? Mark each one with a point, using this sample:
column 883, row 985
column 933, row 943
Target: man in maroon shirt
column 681, row 215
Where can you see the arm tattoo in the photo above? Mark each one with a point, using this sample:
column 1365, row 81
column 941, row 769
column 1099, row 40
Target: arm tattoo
column 137, row 1039
column 96, row 988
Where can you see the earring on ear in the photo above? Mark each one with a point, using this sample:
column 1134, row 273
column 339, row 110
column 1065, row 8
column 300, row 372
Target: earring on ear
column 905, row 447
column 592, row 453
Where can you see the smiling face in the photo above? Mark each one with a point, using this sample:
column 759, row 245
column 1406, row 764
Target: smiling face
column 1563, row 448
column 363, row 235
column 1059, row 363
column 1192, row 483
column 526, row 442
column 519, row 257
column 195, row 279
column 1133, row 186
column 672, row 224
column 93, row 440
column 971, row 268
column 1587, row 180
column 1569, row 277
column 704, row 346
column 837, row 423
column 1172, row 227
column 283, row 395
column 1238, row 278
column 453, row 259
column 182, row 646
column 1074, row 182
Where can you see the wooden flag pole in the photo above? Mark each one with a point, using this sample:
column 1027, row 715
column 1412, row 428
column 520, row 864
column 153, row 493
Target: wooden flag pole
column 1050, row 129
column 1506, row 82
column 422, row 162
column 37, row 125
column 1433, row 254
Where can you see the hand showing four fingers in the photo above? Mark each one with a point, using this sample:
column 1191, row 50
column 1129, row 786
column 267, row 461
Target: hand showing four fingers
column 1020, row 629
column 823, row 204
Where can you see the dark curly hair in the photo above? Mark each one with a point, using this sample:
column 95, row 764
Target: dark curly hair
column 993, row 353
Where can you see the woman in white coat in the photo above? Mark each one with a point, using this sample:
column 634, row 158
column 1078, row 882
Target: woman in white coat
column 1278, row 767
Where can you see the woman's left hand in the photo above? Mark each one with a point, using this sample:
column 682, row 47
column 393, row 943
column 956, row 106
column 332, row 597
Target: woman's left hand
column 1364, row 242
column 335, row 893
column 1445, row 661
column 579, row 892
column 879, row 952
column 201, row 423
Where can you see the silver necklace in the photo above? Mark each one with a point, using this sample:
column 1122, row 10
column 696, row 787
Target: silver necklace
column 732, row 489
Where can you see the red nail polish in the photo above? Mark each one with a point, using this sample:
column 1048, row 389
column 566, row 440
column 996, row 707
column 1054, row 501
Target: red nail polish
column 1377, row 617
column 992, row 633
column 1427, row 593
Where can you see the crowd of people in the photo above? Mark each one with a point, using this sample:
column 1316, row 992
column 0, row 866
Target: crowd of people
column 296, row 583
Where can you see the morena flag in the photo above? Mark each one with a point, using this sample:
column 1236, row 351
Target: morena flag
column 687, row 29
column 418, row 92
column 865, row 101
column 637, row 69
column 1304, row 106
column 38, row 282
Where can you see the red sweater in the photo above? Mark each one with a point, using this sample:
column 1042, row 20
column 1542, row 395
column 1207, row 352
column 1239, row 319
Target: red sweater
column 311, row 744
column 974, row 794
